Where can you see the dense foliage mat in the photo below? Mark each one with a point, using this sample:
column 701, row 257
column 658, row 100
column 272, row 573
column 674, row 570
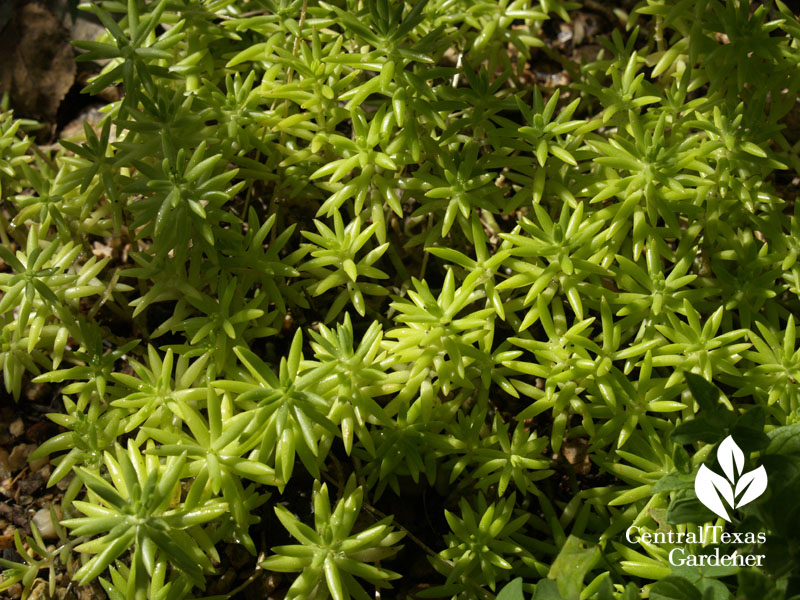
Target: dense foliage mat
column 352, row 270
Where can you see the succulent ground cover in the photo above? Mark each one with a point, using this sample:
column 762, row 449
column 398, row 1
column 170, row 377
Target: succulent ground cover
column 359, row 298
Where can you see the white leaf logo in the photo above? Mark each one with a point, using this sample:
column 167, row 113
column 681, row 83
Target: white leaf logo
column 712, row 488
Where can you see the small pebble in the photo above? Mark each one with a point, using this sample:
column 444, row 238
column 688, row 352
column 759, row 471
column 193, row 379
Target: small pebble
column 17, row 428
column 63, row 484
column 19, row 456
column 44, row 523
column 45, row 471
column 38, row 464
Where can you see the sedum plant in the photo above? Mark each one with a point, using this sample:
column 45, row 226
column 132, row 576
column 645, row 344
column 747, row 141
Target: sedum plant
column 330, row 557
column 480, row 542
column 132, row 511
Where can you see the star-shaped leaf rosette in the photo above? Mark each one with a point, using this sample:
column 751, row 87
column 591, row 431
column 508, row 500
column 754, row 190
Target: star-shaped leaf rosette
column 712, row 488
